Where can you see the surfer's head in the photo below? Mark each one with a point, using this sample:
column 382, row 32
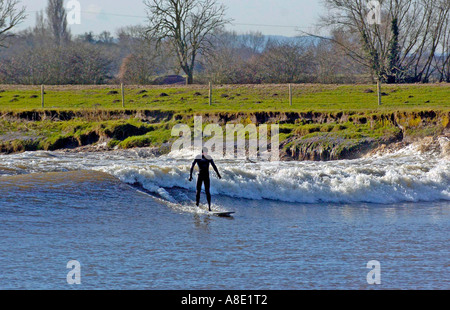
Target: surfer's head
column 205, row 151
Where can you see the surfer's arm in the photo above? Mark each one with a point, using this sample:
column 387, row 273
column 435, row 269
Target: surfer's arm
column 215, row 169
column 192, row 169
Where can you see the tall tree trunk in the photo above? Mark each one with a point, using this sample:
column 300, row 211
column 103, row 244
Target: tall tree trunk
column 393, row 70
column 190, row 77
column 189, row 71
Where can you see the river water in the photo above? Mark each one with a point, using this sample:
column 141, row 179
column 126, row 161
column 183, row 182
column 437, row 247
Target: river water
column 129, row 219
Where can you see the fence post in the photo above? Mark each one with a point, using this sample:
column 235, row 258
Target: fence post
column 210, row 93
column 123, row 95
column 42, row 96
column 379, row 91
column 290, row 95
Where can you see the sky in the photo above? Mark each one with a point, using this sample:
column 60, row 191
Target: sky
column 271, row 17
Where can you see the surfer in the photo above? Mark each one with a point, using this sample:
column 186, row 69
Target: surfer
column 203, row 161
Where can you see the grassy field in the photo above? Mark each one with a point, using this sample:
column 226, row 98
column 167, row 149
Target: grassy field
column 230, row 98
column 347, row 119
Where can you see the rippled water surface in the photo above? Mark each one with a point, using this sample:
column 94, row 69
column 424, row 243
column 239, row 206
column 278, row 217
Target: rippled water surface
column 130, row 220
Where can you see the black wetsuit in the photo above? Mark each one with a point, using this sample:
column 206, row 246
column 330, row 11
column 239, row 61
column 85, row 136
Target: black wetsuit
column 203, row 176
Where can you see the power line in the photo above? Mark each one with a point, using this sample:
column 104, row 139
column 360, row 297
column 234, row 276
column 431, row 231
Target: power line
column 274, row 26
column 232, row 23
column 113, row 14
column 101, row 13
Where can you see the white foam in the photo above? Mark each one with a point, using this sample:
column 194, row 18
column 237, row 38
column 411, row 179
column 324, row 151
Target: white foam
column 385, row 180
column 407, row 175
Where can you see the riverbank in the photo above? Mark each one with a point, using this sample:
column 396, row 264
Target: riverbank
column 303, row 136
column 325, row 122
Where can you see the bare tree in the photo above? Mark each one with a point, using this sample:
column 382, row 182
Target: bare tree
column 442, row 57
column 351, row 16
column 40, row 28
column 402, row 46
column 255, row 41
column 422, row 31
column 141, row 61
column 284, row 62
column 10, row 16
column 57, row 21
column 74, row 63
column 332, row 65
column 225, row 63
column 188, row 25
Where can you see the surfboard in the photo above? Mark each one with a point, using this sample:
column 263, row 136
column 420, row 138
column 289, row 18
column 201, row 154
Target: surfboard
column 223, row 214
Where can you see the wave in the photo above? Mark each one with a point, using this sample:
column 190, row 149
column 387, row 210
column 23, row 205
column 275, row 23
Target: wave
column 384, row 179
column 415, row 173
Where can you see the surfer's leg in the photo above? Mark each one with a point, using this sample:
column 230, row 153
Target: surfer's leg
column 199, row 189
column 208, row 193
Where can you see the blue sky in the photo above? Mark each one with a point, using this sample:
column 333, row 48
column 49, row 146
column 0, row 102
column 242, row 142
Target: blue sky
column 271, row 17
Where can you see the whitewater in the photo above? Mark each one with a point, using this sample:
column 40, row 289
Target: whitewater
column 406, row 175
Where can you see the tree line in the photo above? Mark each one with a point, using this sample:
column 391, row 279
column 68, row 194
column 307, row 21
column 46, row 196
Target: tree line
column 409, row 43
column 189, row 38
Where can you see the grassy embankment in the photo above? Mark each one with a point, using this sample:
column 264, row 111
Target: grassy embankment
column 324, row 122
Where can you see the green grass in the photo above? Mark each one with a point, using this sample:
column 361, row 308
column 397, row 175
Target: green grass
column 347, row 130
column 52, row 135
column 230, row 98
column 365, row 123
